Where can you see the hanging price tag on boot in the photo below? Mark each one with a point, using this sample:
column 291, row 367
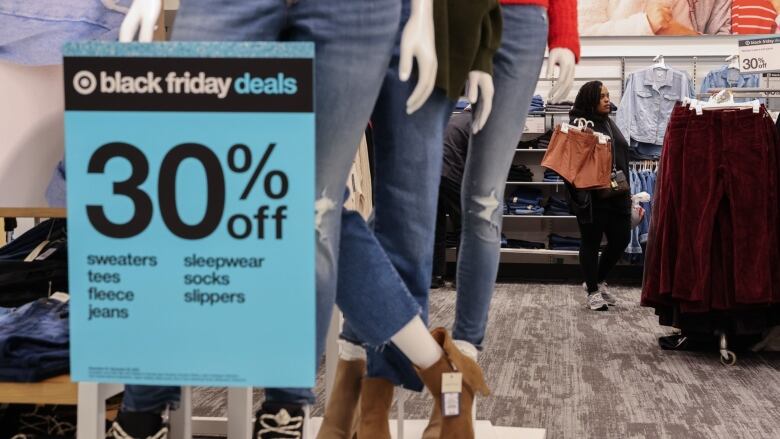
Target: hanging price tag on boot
column 451, row 389
column 190, row 182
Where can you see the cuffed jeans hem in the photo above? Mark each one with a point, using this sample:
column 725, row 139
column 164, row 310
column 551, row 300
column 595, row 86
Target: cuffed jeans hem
column 303, row 396
column 385, row 361
column 150, row 399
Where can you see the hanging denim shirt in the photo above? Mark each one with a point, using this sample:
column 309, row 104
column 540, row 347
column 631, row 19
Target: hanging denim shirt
column 636, row 187
column 724, row 77
column 648, row 101
column 55, row 192
column 32, row 32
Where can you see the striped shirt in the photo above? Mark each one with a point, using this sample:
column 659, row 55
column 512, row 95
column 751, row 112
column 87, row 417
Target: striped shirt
column 753, row 17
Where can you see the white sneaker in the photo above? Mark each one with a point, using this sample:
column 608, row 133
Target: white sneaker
column 596, row 302
column 609, row 298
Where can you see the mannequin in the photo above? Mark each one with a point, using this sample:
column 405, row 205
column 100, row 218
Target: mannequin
column 517, row 65
column 416, row 44
column 407, row 167
column 352, row 55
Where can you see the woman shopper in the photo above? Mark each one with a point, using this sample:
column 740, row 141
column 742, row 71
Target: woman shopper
column 599, row 215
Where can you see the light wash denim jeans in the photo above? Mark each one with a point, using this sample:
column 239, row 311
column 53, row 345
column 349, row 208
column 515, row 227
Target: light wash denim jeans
column 516, row 69
column 388, row 262
column 354, row 43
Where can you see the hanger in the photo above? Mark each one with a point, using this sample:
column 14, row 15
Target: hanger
column 582, row 124
column 659, row 62
column 734, row 61
column 724, row 99
column 688, row 102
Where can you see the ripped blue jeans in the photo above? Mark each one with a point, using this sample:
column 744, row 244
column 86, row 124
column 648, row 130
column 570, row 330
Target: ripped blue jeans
column 387, row 263
column 516, row 69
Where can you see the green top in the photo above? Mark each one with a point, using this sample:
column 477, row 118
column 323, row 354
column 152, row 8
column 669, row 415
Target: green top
column 468, row 33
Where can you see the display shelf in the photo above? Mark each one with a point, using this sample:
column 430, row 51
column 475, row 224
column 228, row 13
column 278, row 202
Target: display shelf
column 32, row 212
column 57, row 390
column 531, row 150
column 535, row 183
column 544, row 252
column 542, row 216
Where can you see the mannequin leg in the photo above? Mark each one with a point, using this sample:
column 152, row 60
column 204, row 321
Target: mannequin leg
column 354, row 42
column 415, row 342
column 516, row 68
column 407, row 151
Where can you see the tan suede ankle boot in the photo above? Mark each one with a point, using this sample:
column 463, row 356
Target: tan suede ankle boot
column 454, row 427
column 376, row 397
column 341, row 412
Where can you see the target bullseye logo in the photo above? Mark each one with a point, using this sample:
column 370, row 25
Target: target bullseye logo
column 84, row 82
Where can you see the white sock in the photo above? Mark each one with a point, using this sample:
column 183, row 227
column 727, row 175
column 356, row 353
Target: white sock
column 350, row 351
column 417, row 344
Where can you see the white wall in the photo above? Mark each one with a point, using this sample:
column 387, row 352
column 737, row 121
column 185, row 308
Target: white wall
column 31, row 132
column 601, row 58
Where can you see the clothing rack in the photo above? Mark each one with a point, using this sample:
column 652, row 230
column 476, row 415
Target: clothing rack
column 760, row 92
column 643, row 165
column 772, row 95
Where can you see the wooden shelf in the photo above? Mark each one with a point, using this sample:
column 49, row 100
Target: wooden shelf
column 545, row 252
column 542, row 216
column 57, row 390
column 32, row 212
column 535, row 183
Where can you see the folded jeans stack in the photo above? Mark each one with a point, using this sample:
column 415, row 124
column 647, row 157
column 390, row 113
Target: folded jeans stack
column 561, row 107
column 23, row 281
column 558, row 207
column 544, row 141
column 520, row 173
column 34, row 341
column 644, row 151
column 551, row 176
column 559, row 242
column 537, row 105
column 520, row 243
column 535, row 142
column 526, row 201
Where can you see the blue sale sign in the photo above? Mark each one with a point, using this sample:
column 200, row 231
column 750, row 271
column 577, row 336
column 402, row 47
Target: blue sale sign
column 190, row 179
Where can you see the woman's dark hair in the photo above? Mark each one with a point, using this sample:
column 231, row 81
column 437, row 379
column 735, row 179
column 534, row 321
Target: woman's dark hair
column 588, row 97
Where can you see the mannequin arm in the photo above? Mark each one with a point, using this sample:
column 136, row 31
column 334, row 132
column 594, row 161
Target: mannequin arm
column 565, row 60
column 142, row 15
column 480, row 87
column 417, row 42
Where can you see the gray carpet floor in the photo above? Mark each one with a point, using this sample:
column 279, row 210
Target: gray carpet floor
column 553, row 364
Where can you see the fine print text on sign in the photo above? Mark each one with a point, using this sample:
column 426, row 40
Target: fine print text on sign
column 760, row 55
column 191, row 223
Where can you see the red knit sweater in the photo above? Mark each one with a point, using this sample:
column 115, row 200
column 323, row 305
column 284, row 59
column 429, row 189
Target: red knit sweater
column 563, row 22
